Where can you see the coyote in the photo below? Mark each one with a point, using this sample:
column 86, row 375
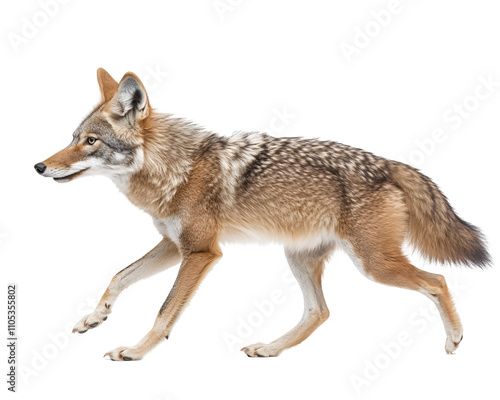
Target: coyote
column 312, row 196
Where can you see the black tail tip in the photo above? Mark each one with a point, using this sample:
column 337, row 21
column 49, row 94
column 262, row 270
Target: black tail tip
column 479, row 255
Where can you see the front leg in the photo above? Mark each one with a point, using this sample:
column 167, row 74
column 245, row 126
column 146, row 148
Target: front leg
column 163, row 256
column 194, row 267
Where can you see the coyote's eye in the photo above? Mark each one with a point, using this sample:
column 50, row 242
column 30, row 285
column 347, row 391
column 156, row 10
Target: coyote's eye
column 91, row 140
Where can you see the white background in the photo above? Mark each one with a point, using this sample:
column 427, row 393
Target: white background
column 237, row 68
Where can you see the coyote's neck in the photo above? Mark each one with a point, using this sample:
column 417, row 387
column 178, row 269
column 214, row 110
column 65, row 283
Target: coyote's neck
column 170, row 148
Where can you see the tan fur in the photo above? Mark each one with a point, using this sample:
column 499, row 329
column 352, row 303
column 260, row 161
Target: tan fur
column 107, row 85
column 309, row 195
column 434, row 227
column 66, row 157
column 377, row 238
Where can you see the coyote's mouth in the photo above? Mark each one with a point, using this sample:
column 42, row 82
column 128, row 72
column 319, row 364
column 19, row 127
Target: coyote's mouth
column 70, row 177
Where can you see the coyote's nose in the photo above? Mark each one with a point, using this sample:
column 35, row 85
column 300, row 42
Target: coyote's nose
column 40, row 168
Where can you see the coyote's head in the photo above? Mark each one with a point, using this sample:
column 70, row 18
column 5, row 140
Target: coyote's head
column 109, row 140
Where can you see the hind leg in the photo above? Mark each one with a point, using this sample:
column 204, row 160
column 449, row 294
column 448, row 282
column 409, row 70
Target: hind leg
column 393, row 270
column 374, row 239
column 307, row 267
column 435, row 288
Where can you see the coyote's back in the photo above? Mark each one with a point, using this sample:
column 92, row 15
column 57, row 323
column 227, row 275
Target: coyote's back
column 298, row 186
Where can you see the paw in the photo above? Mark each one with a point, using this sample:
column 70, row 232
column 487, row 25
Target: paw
column 260, row 350
column 92, row 320
column 124, row 354
column 452, row 343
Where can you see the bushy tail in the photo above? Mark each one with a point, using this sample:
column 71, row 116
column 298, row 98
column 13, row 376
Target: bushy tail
column 434, row 228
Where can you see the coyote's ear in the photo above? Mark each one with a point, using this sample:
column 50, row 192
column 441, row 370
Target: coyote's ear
column 107, row 84
column 130, row 100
